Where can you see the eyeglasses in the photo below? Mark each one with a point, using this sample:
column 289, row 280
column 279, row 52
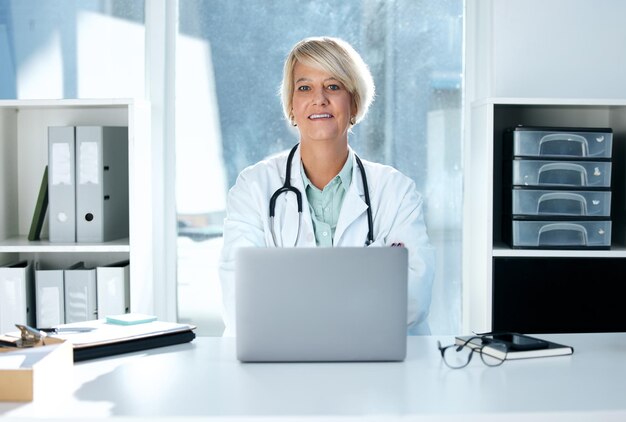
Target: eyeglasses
column 458, row 356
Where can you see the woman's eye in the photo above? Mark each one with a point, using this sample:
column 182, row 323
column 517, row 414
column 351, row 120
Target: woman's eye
column 334, row 87
column 303, row 88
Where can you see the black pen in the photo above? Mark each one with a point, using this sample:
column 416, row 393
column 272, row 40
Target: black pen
column 62, row 330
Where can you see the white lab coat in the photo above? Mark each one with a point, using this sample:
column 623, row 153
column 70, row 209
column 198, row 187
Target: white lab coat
column 396, row 210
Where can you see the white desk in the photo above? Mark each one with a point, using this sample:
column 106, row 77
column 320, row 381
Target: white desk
column 203, row 379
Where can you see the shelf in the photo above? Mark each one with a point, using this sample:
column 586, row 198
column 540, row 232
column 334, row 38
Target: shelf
column 546, row 275
column 502, row 250
column 550, row 102
column 23, row 156
column 68, row 103
column 21, row 244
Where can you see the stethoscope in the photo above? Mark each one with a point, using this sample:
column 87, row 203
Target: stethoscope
column 288, row 188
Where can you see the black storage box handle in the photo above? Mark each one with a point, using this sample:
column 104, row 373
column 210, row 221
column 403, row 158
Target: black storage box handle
column 568, row 137
column 575, row 229
column 563, row 196
column 565, row 167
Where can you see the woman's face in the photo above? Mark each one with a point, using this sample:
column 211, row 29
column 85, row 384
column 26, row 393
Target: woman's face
column 321, row 105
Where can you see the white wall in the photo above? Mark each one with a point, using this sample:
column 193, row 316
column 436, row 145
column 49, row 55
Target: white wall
column 546, row 48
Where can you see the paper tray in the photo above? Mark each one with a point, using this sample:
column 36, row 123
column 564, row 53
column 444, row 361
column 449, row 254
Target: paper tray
column 45, row 371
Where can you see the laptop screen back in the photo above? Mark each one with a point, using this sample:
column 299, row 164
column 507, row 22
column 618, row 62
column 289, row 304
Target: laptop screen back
column 321, row 304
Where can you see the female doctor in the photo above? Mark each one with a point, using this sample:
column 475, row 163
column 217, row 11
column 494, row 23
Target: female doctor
column 327, row 89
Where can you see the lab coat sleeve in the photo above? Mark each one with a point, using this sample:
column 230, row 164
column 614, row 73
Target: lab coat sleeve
column 243, row 226
column 409, row 228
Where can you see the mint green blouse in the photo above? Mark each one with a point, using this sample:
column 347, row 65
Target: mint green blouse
column 325, row 204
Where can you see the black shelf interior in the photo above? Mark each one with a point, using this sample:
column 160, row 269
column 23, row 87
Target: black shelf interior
column 559, row 295
column 550, row 294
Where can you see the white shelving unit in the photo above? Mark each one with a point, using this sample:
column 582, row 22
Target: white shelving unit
column 23, row 156
column 482, row 240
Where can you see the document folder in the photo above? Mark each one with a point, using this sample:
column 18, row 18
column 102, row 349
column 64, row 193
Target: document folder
column 17, row 300
column 50, row 297
column 39, row 214
column 113, row 289
column 133, row 345
column 61, row 184
column 102, row 183
column 112, row 339
column 80, row 293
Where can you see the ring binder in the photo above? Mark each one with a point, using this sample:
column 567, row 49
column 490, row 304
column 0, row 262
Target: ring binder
column 17, row 300
column 61, row 181
column 102, row 183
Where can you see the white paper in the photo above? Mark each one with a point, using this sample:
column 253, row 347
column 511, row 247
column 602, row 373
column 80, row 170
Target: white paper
column 61, row 164
column 88, row 169
column 105, row 333
column 11, row 361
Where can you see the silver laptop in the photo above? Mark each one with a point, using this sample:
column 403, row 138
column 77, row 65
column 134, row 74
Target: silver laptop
column 321, row 304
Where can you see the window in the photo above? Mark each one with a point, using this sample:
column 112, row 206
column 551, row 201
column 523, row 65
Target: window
column 228, row 116
column 71, row 49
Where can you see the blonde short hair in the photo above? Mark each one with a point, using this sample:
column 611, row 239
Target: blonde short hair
column 336, row 57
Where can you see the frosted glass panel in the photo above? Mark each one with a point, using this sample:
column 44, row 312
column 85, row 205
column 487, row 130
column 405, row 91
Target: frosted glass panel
column 71, row 49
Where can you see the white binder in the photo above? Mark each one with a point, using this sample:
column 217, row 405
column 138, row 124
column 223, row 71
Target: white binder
column 49, row 297
column 80, row 293
column 113, row 289
column 61, row 184
column 17, row 304
column 101, row 183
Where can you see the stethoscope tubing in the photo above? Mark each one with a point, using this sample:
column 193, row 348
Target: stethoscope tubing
column 287, row 187
column 366, row 192
column 284, row 189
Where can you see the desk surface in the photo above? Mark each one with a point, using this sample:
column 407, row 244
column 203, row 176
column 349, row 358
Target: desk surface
column 203, row 379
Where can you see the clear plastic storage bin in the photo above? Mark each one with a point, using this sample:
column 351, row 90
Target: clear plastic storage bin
column 545, row 143
column 581, row 174
column 561, row 234
column 561, row 203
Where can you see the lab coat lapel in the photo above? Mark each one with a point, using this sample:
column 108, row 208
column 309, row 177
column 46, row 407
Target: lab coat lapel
column 353, row 207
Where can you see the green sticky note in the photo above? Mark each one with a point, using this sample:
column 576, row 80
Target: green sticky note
column 130, row 319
